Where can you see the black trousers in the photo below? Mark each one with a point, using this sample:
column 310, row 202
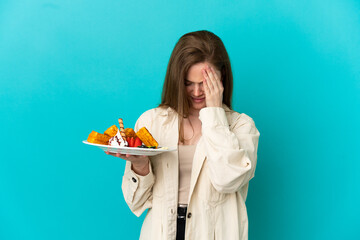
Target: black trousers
column 180, row 224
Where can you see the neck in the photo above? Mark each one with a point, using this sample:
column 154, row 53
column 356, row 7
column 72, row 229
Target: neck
column 194, row 112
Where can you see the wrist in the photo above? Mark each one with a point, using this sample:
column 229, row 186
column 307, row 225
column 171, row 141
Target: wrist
column 214, row 104
column 141, row 168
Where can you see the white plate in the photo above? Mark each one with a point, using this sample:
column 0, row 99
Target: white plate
column 132, row 150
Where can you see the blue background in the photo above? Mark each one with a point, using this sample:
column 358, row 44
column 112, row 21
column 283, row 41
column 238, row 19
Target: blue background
column 69, row 67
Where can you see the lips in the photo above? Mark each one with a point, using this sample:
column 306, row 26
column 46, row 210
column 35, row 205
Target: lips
column 197, row 99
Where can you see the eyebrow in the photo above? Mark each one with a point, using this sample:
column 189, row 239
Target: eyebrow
column 186, row 80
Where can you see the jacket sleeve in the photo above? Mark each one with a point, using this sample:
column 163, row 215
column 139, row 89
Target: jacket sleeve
column 231, row 150
column 137, row 190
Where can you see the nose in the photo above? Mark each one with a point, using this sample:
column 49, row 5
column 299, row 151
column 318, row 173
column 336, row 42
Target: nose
column 198, row 89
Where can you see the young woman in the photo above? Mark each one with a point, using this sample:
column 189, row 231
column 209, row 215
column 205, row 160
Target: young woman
column 199, row 191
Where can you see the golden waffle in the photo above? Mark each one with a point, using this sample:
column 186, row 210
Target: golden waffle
column 146, row 137
column 129, row 132
column 95, row 137
column 111, row 131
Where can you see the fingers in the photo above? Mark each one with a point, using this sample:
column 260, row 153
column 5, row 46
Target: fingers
column 127, row 157
column 213, row 76
column 212, row 79
column 110, row 153
column 119, row 155
column 216, row 78
column 206, row 87
column 212, row 86
column 208, row 80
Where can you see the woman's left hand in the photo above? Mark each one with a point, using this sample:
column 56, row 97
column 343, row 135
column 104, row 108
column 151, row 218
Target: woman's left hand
column 213, row 87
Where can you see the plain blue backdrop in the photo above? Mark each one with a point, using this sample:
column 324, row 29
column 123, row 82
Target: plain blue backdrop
column 69, row 67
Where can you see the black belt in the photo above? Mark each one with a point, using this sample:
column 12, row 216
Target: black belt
column 181, row 212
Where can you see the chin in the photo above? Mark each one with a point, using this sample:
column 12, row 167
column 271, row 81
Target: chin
column 198, row 106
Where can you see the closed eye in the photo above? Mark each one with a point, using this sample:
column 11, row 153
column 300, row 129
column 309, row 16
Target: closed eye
column 188, row 83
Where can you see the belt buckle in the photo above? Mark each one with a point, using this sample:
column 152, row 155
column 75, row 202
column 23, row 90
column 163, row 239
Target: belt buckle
column 183, row 208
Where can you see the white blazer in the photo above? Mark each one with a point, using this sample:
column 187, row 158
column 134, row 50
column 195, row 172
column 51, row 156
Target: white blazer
column 224, row 162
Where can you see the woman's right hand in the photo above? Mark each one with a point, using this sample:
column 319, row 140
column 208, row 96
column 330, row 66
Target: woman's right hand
column 139, row 163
